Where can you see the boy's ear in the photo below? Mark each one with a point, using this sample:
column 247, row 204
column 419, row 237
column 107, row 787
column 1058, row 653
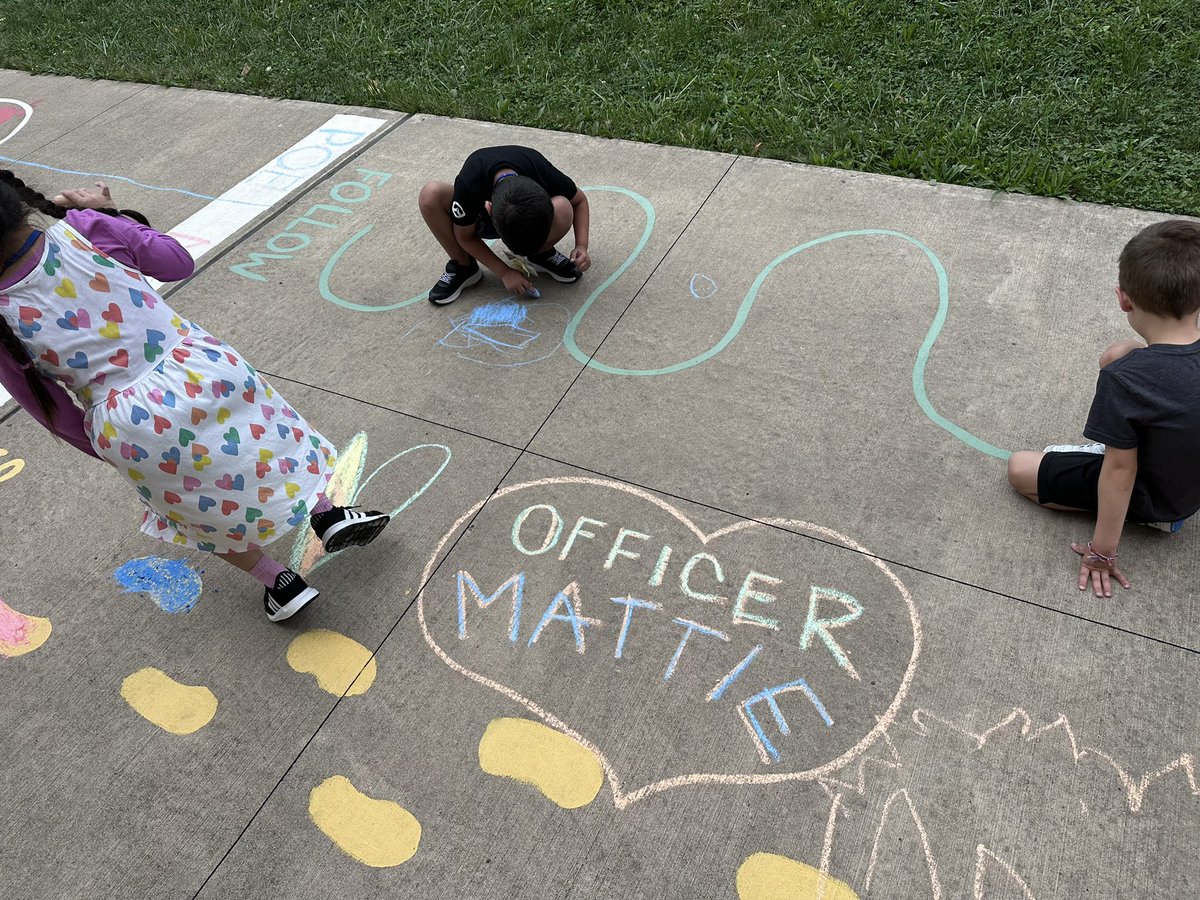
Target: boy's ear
column 1124, row 301
column 487, row 204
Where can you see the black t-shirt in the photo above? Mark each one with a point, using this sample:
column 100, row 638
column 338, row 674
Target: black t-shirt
column 1150, row 399
column 474, row 183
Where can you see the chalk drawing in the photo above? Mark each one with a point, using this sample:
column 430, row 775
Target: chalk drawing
column 1135, row 787
column 21, row 633
column 982, row 857
column 890, row 762
column 934, row 882
column 9, row 468
column 566, row 772
column 624, row 796
column 377, row 833
column 344, row 490
column 502, row 333
column 9, row 109
column 823, row 880
column 341, row 665
column 174, row 707
column 171, row 583
column 701, row 286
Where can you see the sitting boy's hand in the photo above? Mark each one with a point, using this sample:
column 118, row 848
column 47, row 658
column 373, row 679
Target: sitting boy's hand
column 580, row 257
column 1099, row 571
column 515, row 282
column 86, row 198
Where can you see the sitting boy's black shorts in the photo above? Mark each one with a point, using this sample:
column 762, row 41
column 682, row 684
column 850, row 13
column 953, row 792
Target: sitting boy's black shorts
column 1073, row 479
column 485, row 230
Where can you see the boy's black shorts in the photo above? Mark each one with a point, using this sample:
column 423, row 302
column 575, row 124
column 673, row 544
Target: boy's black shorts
column 485, row 229
column 1073, row 479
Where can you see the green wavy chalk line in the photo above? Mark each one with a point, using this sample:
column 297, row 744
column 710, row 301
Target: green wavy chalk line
column 739, row 319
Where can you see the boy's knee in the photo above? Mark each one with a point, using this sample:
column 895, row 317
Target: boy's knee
column 1023, row 468
column 435, row 197
column 1117, row 351
column 564, row 217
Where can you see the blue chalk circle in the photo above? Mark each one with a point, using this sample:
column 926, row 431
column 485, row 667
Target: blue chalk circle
column 171, row 583
column 701, row 286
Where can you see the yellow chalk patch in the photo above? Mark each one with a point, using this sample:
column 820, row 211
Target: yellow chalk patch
column 768, row 876
column 377, row 833
column 334, row 660
column 21, row 633
column 568, row 773
column 174, row 707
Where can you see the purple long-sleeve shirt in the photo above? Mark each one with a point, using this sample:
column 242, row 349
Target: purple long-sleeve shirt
column 130, row 243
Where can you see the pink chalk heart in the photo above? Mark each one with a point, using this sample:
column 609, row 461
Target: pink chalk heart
column 190, row 483
column 758, row 653
column 14, row 115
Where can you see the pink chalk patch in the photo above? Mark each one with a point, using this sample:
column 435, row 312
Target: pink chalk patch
column 14, row 627
column 9, row 112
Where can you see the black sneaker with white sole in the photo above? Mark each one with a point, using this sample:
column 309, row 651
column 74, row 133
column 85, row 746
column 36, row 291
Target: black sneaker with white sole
column 453, row 281
column 557, row 266
column 290, row 594
column 345, row 526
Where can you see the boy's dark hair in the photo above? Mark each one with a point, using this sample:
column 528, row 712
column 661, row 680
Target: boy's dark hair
column 17, row 201
column 1160, row 269
column 522, row 213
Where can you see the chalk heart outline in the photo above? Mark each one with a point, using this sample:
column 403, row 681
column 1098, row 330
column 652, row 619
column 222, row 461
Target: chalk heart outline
column 623, row 798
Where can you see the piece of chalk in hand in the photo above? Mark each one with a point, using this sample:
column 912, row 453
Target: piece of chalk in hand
column 534, row 293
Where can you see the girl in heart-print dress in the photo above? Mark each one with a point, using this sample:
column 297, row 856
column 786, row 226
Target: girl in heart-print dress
column 220, row 460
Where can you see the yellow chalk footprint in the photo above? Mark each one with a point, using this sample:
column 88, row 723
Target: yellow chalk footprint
column 560, row 767
column 334, row 660
column 377, row 833
column 174, row 707
column 768, row 876
column 19, row 633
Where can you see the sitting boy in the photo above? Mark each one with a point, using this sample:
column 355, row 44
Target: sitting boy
column 1146, row 411
column 516, row 195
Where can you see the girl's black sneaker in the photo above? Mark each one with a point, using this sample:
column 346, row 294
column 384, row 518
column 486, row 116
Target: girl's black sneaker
column 345, row 526
column 290, row 594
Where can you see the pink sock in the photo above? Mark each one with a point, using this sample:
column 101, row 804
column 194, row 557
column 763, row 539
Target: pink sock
column 266, row 570
column 323, row 505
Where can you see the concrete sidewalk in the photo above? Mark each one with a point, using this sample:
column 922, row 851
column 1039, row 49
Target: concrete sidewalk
column 704, row 579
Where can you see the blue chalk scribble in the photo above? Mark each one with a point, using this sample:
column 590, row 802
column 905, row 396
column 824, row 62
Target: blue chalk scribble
column 171, row 583
column 510, row 314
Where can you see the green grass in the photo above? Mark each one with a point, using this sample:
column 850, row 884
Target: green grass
column 1094, row 100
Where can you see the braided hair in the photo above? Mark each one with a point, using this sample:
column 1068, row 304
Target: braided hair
column 17, row 201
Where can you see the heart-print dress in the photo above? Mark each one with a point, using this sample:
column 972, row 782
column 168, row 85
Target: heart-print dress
column 220, row 459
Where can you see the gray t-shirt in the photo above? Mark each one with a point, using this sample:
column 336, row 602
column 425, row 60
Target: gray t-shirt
column 1150, row 399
